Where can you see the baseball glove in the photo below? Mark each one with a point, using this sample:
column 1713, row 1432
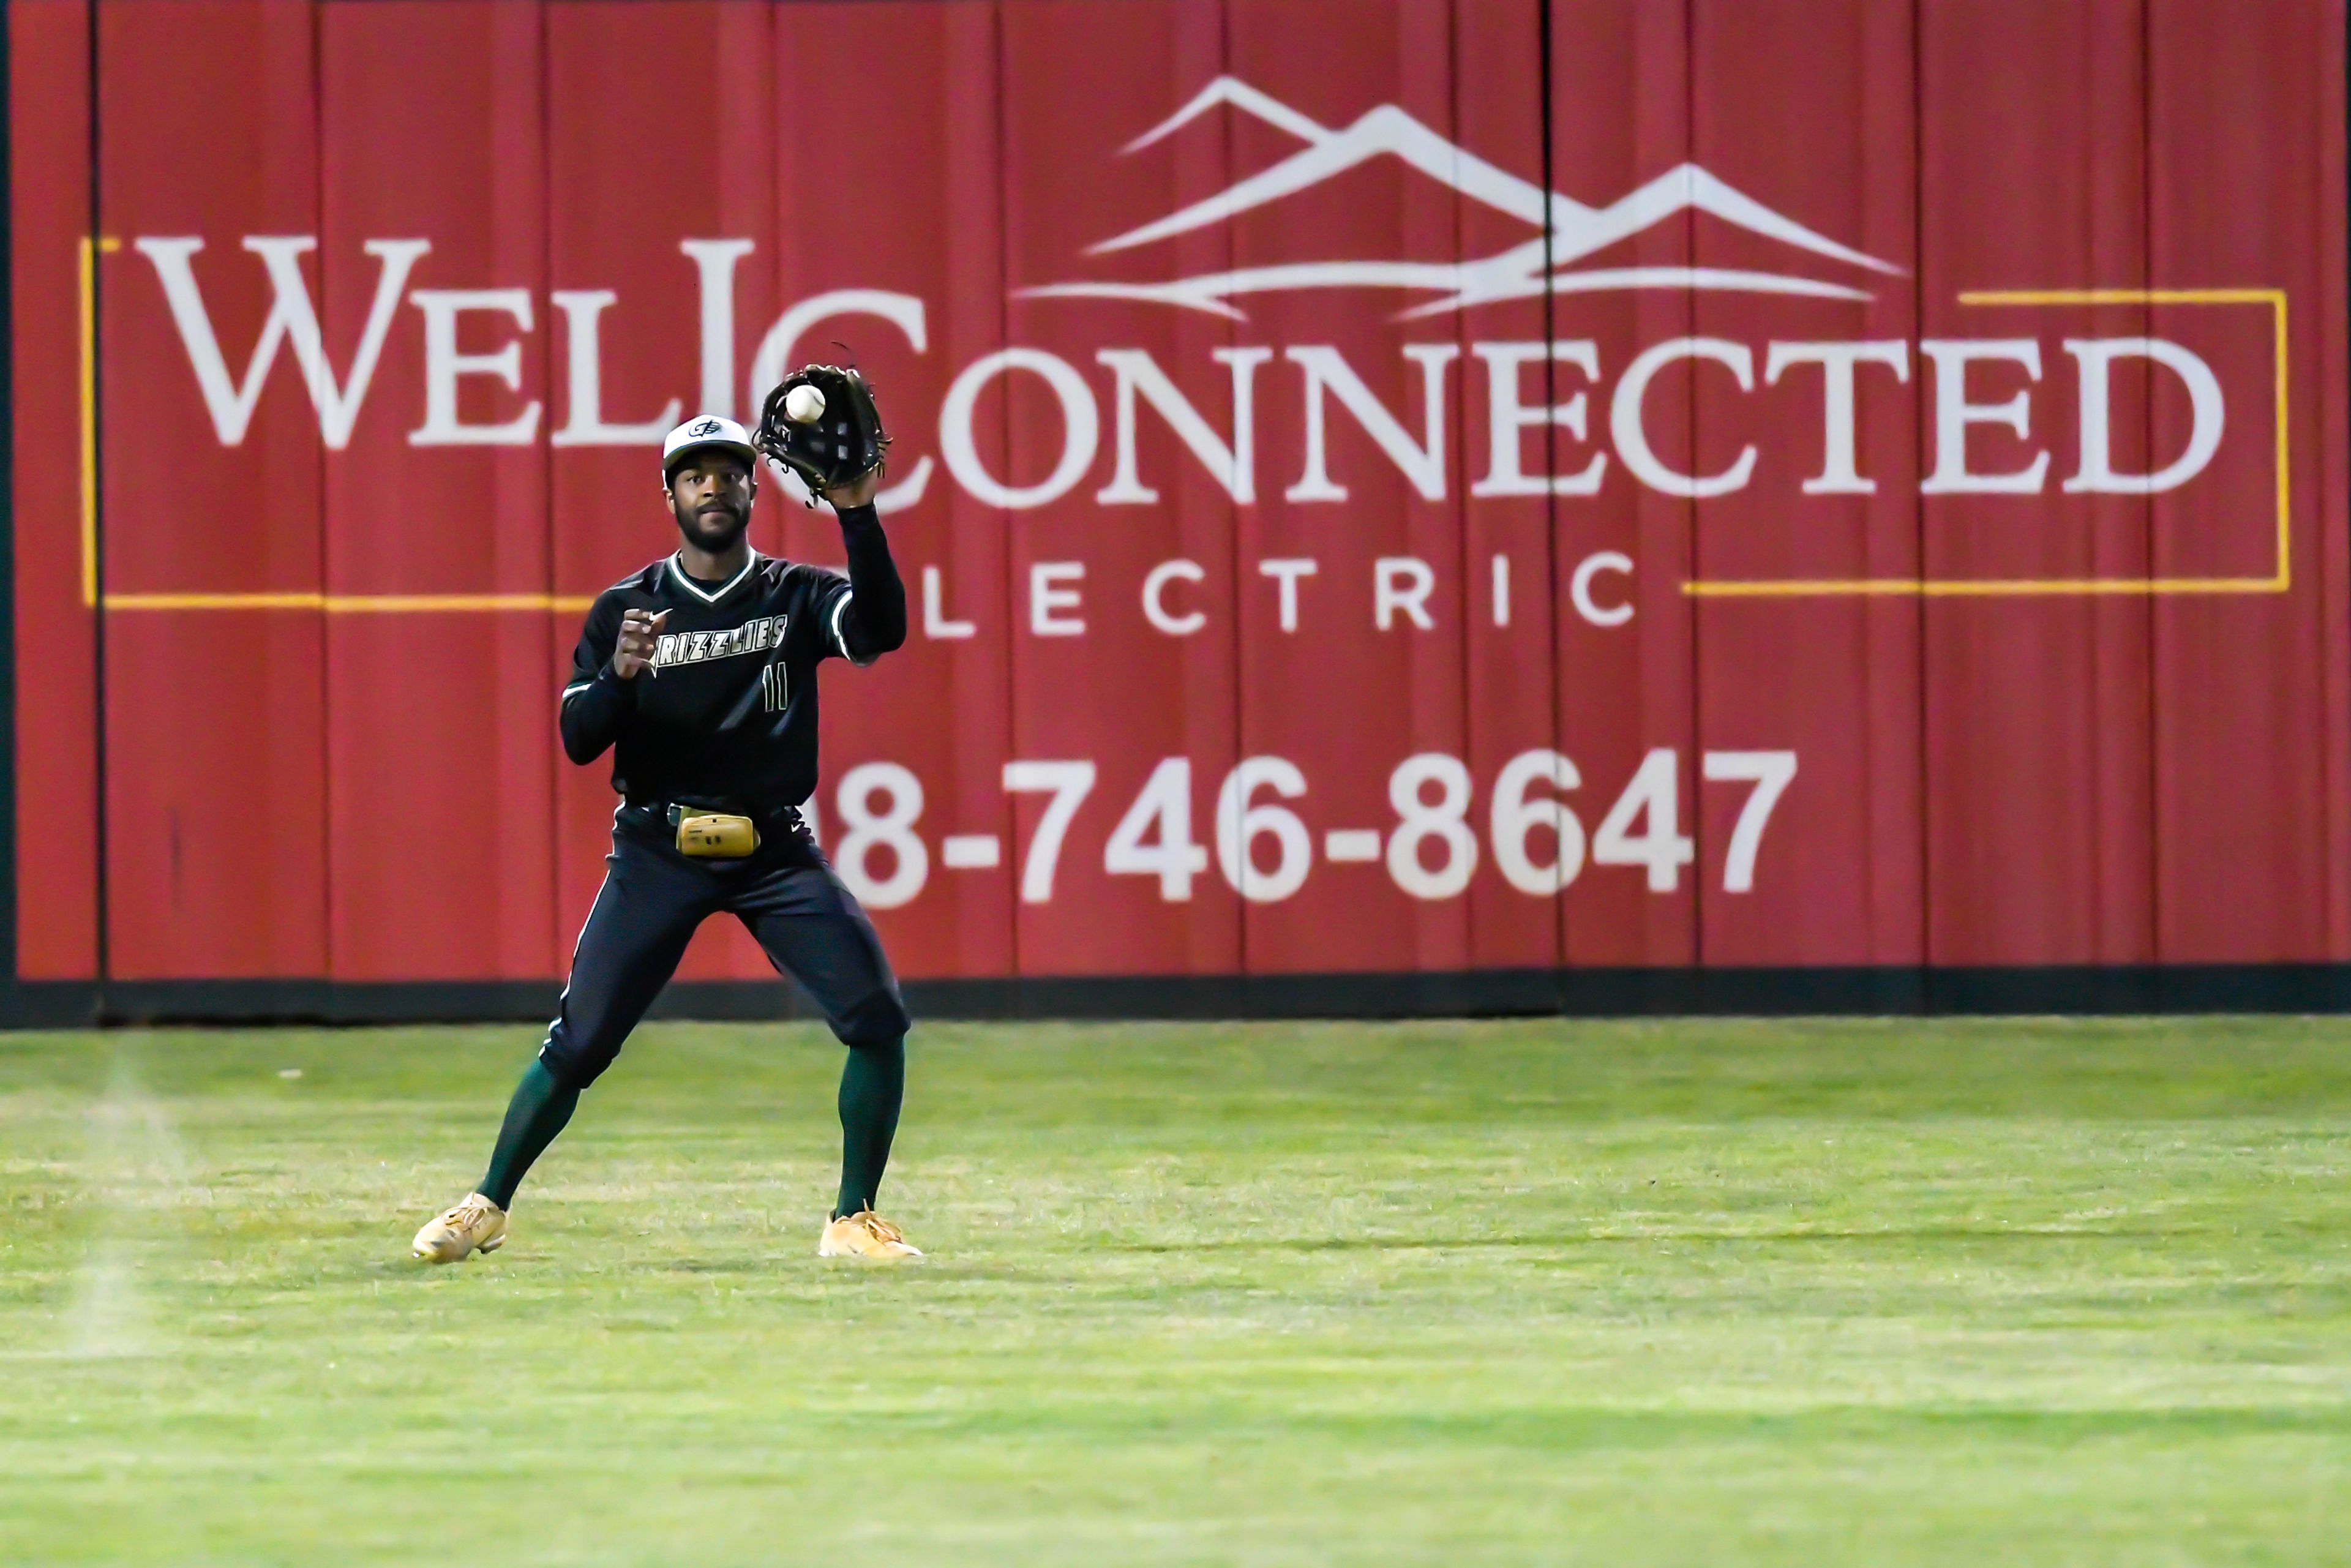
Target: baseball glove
column 838, row 438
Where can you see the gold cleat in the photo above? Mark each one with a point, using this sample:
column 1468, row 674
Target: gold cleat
column 476, row 1224
column 865, row 1235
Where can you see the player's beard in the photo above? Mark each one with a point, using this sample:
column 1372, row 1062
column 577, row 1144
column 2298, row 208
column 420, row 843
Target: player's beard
column 715, row 526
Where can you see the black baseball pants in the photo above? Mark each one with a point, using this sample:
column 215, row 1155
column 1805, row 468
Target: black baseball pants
column 654, row 898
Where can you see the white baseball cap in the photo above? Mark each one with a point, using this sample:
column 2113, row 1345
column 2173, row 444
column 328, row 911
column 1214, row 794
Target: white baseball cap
column 707, row 430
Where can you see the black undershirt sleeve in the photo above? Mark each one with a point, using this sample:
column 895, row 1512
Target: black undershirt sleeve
column 875, row 623
column 595, row 700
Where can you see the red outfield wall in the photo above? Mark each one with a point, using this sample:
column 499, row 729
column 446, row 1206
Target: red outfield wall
column 1385, row 487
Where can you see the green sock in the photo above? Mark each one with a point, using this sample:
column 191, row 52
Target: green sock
column 538, row 1111
column 872, row 1083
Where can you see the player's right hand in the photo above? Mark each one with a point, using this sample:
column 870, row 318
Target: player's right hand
column 635, row 652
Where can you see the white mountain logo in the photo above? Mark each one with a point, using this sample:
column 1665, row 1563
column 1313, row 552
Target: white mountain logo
column 1575, row 230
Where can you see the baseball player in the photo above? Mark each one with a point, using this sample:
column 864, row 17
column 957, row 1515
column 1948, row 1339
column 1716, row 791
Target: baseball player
column 699, row 674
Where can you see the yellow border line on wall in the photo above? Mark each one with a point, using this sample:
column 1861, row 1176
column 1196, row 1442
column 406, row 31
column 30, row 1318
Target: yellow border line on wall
column 353, row 603
column 304, row 599
column 1932, row 588
column 87, row 275
column 1948, row 588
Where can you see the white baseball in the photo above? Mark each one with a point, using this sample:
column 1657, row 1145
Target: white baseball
column 803, row 404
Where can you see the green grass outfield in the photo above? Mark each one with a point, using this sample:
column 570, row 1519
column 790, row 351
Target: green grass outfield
column 1819, row 1294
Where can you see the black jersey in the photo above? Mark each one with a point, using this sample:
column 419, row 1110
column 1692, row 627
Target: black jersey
column 727, row 713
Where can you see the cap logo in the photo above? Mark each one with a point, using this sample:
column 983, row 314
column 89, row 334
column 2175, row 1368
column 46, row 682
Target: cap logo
column 707, row 427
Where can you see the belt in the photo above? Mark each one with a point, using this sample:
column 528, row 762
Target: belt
column 786, row 819
column 712, row 832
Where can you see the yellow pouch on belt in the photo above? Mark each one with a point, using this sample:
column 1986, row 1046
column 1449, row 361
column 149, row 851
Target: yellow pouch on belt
column 717, row 836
